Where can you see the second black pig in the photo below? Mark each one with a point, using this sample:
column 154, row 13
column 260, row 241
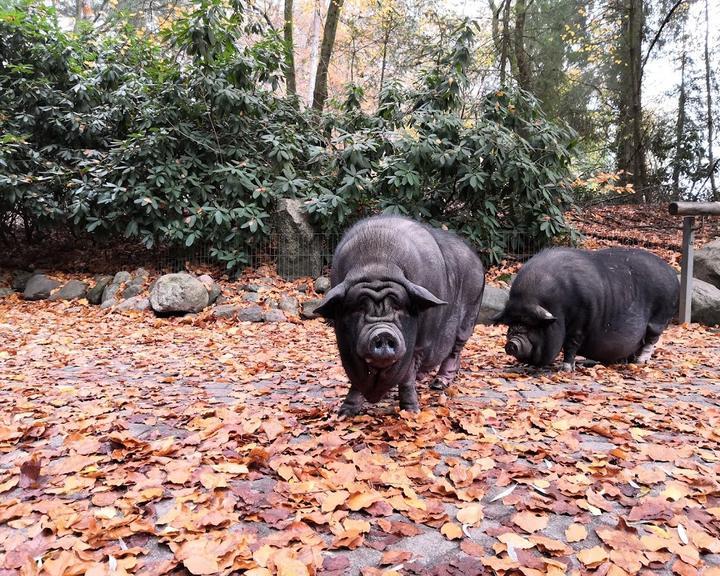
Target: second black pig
column 404, row 301
column 608, row 305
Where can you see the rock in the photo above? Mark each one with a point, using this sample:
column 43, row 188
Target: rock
column 302, row 288
column 6, row 292
column 140, row 303
column 140, row 276
column 110, row 293
column 299, row 248
column 20, row 279
column 132, row 290
column 289, row 305
column 39, row 286
column 274, row 315
column 225, row 311
column 73, row 290
column 493, row 302
column 705, row 303
column 95, row 294
column 322, row 284
column 250, row 288
column 251, row 297
column 252, row 313
column 271, row 303
column 178, row 293
column 308, row 308
column 706, row 264
column 122, row 277
column 212, row 287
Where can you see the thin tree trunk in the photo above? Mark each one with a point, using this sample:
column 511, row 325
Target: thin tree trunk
column 314, row 52
column 289, row 48
column 505, row 42
column 79, row 4
column 521, row 58
column 631, row 148
column 708, row 91
column 326, row 48
column 679, row 128
column 386, row 41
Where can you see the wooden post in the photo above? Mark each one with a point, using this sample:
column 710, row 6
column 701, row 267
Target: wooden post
column 686, row 270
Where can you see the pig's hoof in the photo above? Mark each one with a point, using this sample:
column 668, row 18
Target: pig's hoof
column 349, row 410
column 410, row 408
column 567, row 367
column 438, row 384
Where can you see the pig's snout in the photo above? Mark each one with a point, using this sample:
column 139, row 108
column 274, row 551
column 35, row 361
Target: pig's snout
column 382, row 346
column 518, row 347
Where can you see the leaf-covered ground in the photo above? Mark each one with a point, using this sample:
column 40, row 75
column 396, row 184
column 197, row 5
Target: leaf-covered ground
column 136, row 445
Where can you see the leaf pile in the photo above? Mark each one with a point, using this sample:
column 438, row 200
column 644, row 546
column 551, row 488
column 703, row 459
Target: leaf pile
column 135, row 445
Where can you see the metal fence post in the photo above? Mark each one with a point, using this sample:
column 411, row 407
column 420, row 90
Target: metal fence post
column 686, row 270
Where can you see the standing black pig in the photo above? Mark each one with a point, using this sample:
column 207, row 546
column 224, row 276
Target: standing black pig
column 610, row 305
column 404, row 300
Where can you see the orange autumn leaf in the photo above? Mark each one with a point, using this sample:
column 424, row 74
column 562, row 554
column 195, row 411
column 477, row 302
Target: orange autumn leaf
column 451, row 531
column 530, row 522
column 575, row 533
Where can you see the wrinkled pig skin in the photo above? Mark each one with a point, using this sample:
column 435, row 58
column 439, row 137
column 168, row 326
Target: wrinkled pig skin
column 608, row 305
column 404, row 300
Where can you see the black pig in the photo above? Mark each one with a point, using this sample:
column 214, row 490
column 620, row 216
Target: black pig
column 404, row 300
column 610, row 305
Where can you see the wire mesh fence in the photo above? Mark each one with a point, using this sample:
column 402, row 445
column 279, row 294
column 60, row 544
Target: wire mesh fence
column 311, row 258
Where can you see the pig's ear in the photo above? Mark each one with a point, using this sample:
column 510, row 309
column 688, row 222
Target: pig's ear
column 500, row 318
column 421, row 297
column 333, row 299
column 542, row 314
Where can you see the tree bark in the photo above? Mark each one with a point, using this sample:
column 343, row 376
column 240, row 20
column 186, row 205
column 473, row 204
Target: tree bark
column 679, row 129
column 326, row 48
column 708, row 91
column 314, row 51
column 521, row 57
column 505, row 41
column 289, row 49
column 630, row 147
column 386, row 41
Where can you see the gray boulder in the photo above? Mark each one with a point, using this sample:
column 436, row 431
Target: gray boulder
column 139, row 277
column 110, row 294
column 289, row 305
column 705, row 303
column 493, row 302
column 139, row 303
column 322, row 285
column 299, row 248
column 95, row 294
column 132, row 290
column 252, row 313
column 274, row 315
column 251, row 297
column 225, row 311
column 20, row 279
column 308, row 308
column 706, row 264
column 178, row 293
column 212, row 287
column 122, row 277
column 5, row 292
column 39, row 287
column 73, row 290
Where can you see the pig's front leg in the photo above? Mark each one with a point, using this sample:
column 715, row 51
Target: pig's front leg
column 570, row 348
column 352, row 404
column 408, row 395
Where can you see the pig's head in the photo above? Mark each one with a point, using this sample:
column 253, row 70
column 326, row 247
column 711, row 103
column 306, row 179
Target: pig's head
column 534, row 336
column 376, row 323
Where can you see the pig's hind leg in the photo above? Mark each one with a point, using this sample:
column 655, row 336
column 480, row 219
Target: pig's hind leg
column 652, row 336
column 450, row 366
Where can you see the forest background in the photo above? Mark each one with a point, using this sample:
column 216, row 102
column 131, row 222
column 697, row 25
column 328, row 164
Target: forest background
column 176, row 123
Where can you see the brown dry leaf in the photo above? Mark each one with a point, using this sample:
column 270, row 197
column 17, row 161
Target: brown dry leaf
column 530, row 522
column 360, row 500
column 592, row 557
column 393, row 557
column 575, row 533
column 30, row 472
column 332, row 500
column 471, row 514
column 451, row 531
column 515, row 540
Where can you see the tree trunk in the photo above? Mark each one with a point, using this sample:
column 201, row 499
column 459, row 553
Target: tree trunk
column 289, row 49
column 79, row 12
column 708, row 87
column 314, row 51
column 386, row 41
column 521, row 57
column 630, row 147
column 326, row 48
column 505, row 41
column 679, row 129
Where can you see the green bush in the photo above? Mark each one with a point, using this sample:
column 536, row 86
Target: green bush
column 184, row 140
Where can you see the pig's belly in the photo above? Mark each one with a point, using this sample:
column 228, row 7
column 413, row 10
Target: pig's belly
column 613, row 345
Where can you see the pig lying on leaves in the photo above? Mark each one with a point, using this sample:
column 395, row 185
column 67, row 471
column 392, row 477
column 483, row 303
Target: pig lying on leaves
column 610, row 305
column 404, row 300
